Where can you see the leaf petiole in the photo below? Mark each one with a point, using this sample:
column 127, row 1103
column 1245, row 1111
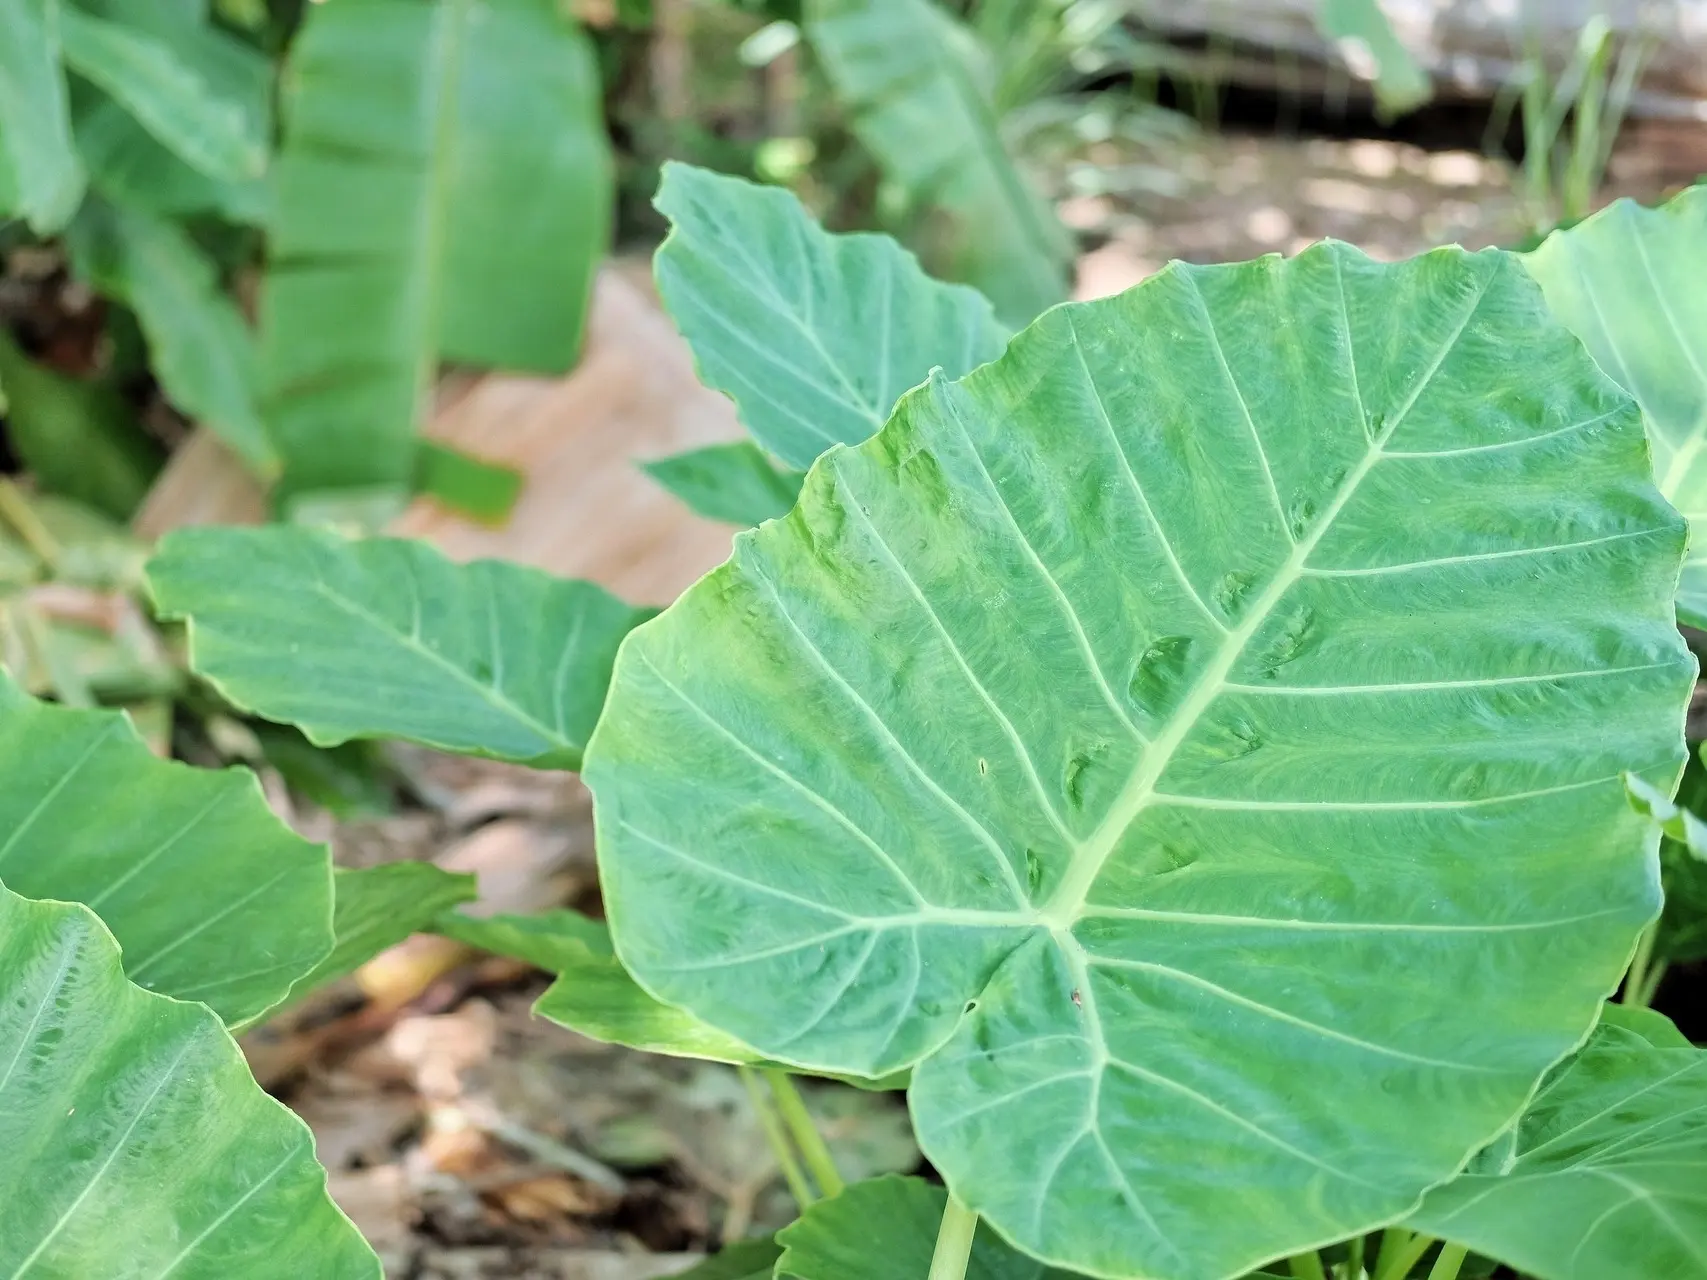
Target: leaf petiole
column 804, row 1130
column 1638, row 990
column 1400, row 1251
column 953, row 1242
column 1447, row 1264
column 1354, row 1261
column 1307, row 1266
column 777, row 1137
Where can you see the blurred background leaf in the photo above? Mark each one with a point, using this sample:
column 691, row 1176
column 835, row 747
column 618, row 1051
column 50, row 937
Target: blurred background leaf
column 443, row 190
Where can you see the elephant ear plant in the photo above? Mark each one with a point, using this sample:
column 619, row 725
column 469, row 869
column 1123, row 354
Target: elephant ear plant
column 1089, row 743
column 1191, row 752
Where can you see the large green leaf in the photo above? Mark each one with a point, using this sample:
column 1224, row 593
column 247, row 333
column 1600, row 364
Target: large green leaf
column 1623, row 282
column 916, row 85
column 200, row 346
column 165, row 94
column 444, row 187
column 386, row 638
column 136, row 1142
column 813, row 335
column 735, row 483
column 887, row 1227
column 211, row 896
column 40, row 177
column 1229, row 687
column 79, row 438
column 1607, row 1179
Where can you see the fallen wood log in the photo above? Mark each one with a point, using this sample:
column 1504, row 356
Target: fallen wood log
column 1471, row 48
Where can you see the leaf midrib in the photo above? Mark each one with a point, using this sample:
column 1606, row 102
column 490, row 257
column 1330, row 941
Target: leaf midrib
column 1067, row 903
column 449, row 23
column 490, row 694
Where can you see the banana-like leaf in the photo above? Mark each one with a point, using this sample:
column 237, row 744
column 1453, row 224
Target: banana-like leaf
column 917, row 89
column 165, row 95
column 201, row 348
column 378, row 907
column 1229, row 687
column 212, row 897
column 130, row 166
column 137, row 1143
column 887, row 1227
column 386, row 638
column 40, row 177
column 812, row 335
column 444, row 188
column 80, row 439
column 735, row 483
column 133, row 170
column 1607, row 1179
column 1623, row 282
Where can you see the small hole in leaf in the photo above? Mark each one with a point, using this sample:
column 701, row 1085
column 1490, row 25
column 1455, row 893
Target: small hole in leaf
column 983, row 766
column 1033, row 871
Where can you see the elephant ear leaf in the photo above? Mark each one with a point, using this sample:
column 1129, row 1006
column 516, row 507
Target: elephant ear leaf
column 1605, row 1179
column 136, row 1141
column 813, row 335
column 386, row 638
column 1623, row 282
column 1212, row 692
column 211, row 896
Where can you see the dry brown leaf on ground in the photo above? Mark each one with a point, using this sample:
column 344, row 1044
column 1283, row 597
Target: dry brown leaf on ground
column 586, row 510
column 522, row 867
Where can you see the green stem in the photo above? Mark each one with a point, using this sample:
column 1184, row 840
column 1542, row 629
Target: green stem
column 777, row 1137
column 1651, row 988
column 1307, row 1266
column 1636, row 980
column 1405, row 1254
column 1354, row 1261
column 16, row 511
column 1447, row 1264
column 805, row 1132
column 1393, row 1239
column 953, row 1242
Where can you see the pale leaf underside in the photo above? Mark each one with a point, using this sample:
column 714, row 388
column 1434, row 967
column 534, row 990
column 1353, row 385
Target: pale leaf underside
column 1608, row 1180
column 1626, row 283
column 1194, row 740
